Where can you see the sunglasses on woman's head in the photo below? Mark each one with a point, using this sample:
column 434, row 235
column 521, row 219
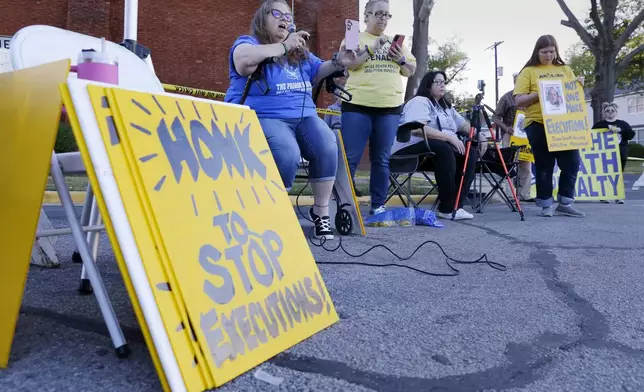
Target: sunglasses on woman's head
column 277, row 14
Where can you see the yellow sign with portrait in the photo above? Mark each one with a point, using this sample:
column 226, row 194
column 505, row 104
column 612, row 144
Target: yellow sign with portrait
column 565, row 115
column 224, row 225
column 520, row 138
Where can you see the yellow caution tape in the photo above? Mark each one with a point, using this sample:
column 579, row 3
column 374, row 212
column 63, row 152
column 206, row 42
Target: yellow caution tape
column 197, row 92
column 331, row 112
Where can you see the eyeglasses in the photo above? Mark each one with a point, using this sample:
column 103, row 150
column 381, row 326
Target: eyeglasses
column 440, row 82
column 277, row 14
column 381, row 14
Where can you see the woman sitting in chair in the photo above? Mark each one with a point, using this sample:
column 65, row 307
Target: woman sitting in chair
column 281, row 97
column 442, row 125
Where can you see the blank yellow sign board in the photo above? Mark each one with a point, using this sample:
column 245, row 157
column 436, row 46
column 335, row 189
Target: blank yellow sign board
column 30, row 105
column 216, row 231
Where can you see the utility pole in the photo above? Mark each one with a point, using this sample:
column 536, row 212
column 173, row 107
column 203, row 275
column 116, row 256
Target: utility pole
column 496, row 71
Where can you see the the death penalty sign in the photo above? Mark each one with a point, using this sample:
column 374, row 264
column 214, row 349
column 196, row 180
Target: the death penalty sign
column 565, row 116
column 600, row 174
column 224, row 224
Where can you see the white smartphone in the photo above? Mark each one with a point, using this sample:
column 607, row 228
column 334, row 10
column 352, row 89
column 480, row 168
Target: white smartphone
column 351, row 34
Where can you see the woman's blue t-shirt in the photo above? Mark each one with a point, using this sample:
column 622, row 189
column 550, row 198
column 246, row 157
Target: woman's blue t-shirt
column 289, row 87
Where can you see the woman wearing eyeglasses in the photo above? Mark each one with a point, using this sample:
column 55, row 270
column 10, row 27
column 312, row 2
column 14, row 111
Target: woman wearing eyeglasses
column 442, row 124
column 621, row 128
column 282, row 99
column 376, row 85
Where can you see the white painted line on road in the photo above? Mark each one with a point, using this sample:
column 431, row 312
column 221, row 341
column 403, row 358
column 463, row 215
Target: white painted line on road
column 639, row 182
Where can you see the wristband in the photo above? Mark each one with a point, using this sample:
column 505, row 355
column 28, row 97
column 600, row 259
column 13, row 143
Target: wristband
column 285, row 49
column 402, row 61
column 334, row 61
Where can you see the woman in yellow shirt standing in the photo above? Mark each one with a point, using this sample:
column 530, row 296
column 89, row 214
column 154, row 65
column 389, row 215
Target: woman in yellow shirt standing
column 546, row 64
column 376, row 85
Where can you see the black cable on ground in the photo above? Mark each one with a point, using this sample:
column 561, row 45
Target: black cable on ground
column 481, row 260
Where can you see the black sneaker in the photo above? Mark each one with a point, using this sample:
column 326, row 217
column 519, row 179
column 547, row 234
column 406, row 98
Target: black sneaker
column 322, row 225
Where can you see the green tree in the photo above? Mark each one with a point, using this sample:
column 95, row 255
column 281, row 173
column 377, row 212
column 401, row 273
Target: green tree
column 582, row 62
column 448, row 57
column 612, row 35
column 462, row 102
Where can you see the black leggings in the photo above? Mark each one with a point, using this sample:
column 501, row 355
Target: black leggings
column 544, row 163
column 447, row 166
column 623, row 152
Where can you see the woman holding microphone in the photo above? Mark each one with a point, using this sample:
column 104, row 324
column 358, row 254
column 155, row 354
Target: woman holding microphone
column 283, row 102
column 376, row 85
column 546, row 64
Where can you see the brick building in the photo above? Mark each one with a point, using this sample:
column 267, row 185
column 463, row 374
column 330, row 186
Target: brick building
column 189, row 39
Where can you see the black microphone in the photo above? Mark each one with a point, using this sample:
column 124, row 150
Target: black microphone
column 292, row 29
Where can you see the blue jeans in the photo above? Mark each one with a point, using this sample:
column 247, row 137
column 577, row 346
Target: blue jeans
column 309, row 138
column 380, row 131
column 544, row 162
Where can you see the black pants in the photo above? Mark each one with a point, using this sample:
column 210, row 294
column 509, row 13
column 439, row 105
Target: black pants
column 544, row 162
column 447, row 166
column 623, row 152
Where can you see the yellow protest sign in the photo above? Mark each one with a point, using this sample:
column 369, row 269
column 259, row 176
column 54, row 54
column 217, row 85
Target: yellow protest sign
column 520, row 138
column 600, row 174
column 105, row 122
column 30, row 106
column 565, row 115
column 222, row 225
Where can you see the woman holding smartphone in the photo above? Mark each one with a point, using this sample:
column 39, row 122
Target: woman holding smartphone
column 376, row 85
column 546, row 64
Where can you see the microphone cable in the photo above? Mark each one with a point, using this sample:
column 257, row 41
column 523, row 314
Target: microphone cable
column 320, row 243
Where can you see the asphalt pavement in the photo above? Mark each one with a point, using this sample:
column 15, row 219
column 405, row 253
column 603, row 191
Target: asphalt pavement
column 566, row 314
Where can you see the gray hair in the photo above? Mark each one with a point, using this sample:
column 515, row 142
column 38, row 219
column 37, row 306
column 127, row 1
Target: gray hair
column 369, row 6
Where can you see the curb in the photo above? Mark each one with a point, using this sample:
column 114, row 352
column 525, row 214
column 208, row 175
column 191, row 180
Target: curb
column 78, row 197
column 364, row 200
column 51, row 197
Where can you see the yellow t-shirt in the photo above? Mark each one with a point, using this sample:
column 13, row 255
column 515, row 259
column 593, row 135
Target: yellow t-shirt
column 377, row 82
column 528, row 82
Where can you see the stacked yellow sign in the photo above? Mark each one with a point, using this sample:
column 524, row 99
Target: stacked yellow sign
column 217, row 265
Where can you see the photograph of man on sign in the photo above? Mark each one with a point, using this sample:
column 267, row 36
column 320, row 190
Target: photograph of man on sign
column 553, row 98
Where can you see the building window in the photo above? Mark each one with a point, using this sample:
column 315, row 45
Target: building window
column 639, row 136
column 635, row 105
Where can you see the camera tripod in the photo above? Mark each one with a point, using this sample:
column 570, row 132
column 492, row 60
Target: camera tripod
column 475, row 126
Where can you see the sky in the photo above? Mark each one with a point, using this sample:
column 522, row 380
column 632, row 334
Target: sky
column 479, row 24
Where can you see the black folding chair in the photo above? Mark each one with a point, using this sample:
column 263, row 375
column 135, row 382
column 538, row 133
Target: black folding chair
column 405, row 166
column 489, row 167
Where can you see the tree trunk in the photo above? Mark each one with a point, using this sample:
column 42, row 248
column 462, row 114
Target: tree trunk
column 420, row 43
column 605, row 81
